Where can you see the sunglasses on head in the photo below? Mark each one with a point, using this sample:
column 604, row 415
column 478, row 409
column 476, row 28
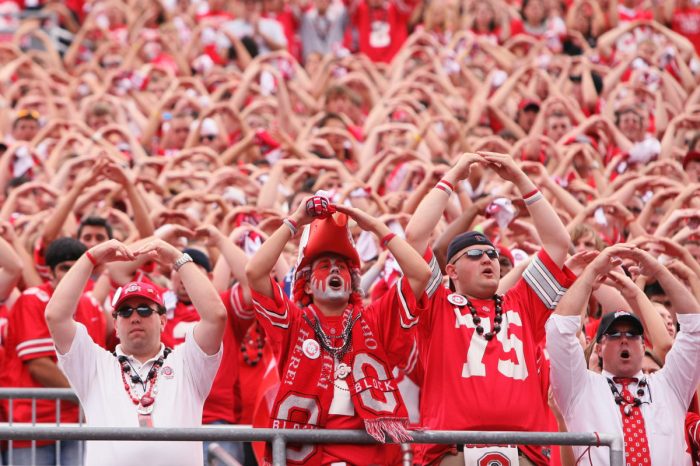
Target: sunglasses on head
column 27, row 113
column 475, row 254
column 614, row 336
column 143, row 311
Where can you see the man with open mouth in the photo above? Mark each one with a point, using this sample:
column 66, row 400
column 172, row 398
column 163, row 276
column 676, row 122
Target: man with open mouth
column 648, row 411
column 335, row 354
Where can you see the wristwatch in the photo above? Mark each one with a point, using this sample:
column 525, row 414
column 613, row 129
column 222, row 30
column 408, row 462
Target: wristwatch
column 185, row 258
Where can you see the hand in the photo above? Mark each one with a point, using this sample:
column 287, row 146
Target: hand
column 623, row 284
column 462, row 168
column 170, row 232
column 300, row 215
column 111, row 251
column 503, row 164
column 363, row 219
column 160, row 251
column 116, row 173
column 209, row 234
column 609, row 259
column 580, row 260
column 680, row 270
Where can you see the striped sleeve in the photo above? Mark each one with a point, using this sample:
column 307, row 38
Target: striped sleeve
column 275, row 311
column 29, row 327
column 547, row 280
column 436, row 273
column 240, row 309
column 36, row 348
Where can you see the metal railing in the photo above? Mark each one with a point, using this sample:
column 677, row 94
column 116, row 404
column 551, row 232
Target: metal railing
column 279, row 438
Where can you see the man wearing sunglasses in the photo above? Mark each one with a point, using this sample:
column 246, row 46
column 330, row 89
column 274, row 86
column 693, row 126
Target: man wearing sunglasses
column 648, row 411
column 143, row 383
column 474, row 342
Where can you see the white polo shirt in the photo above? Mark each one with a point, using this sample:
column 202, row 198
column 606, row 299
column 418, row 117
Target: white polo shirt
column 184, row 382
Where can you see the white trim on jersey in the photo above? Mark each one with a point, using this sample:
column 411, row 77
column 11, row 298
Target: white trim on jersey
column 543, row 283
column 278, row 320
column 411, row 319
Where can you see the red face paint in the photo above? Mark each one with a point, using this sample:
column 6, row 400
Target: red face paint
column 330, row 279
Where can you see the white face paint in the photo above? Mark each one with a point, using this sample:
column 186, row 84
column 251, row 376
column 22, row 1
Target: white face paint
column 330, row 279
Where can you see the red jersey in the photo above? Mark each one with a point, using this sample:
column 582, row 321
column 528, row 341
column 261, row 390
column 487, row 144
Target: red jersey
column 490, row 385
column 286, row 328
column 381, row 31
column 180, row 319
column 224, row 401
column 28, row 338
column 686, row 22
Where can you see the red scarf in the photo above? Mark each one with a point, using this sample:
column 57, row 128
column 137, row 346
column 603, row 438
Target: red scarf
column 307, row 385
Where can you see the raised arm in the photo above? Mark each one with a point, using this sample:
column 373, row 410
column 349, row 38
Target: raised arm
column 555, row 238
column 10, row 269
column 414, row 268
column 64, row 301
column 431, row 208
column 209, row 331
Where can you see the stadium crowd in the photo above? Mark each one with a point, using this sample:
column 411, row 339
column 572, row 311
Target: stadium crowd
column 500, row 205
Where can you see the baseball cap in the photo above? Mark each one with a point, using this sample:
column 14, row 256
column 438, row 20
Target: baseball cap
column 505, row 252
column 199, row 258
column 137, row 289
column 465, row 240
column 529, row 105
column 618, row 316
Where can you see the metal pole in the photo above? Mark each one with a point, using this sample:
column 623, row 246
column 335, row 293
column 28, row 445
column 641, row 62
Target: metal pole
column 617, row 451
column 279, row 451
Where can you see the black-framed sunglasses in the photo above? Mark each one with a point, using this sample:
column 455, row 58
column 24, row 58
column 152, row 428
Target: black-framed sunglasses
column 143, row 311
column 207, row 137
column 476, row 254
column 615, row 336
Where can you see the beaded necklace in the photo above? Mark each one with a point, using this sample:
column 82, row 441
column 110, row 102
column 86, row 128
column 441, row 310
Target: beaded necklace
column 497, row 319
column 325, row 340
column 144, row 404
column 248, row 340
column 636, row 401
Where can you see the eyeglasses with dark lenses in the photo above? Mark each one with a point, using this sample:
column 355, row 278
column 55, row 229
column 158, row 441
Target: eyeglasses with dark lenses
column 475, row 254
column 143, row 311
column 615, row 336
column 207, row 137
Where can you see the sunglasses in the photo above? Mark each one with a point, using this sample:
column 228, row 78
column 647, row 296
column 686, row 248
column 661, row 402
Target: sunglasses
column 142, row 311
column 475, row 254
column 26, row 113
column 207, row 137
column 615, row 336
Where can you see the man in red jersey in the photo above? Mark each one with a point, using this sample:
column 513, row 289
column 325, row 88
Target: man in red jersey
column 31, row 358
column 488, row 380
column 336, row 355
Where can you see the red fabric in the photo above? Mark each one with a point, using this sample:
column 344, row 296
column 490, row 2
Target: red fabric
column 183, row 317
column 686, row 22
column 522, row 397
column 390, row 26
column 692, row 436
column 634, row 430
column 289, row 24
column 625, row 16
column 28, row 338
column 374, row 336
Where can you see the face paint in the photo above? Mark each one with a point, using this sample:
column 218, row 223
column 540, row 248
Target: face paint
column 330, row 279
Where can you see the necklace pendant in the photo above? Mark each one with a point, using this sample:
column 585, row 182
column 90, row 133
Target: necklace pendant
column 147, row 400
column 342, row 371
column 144, row 410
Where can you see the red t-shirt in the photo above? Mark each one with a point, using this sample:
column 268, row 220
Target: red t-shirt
column 28, row 338
column 490, row 385
column 686, row 22
column 381, row 31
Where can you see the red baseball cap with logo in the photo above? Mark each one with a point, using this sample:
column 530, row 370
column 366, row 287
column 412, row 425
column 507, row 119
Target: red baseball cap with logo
column 137, row 289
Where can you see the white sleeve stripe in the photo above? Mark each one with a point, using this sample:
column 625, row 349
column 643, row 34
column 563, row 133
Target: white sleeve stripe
column 412, row 358
column 237, row 305
column 410, row 318
column 38, row 349
column 543, row 283
column 262, row 311
column 435, row 277
column 278, row 320
column 36, row 341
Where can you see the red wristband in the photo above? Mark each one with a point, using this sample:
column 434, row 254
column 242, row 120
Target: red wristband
column 385, row 241
column 449, row 185
column 91, row 258
column 531, row 193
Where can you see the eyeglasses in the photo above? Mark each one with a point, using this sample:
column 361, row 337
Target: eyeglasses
column 475, row 254
column 143, row 311
column 207, row 137
column 615, row 336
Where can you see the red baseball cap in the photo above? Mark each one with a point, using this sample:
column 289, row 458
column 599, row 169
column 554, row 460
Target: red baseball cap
column 529, row 104
column 137, row 289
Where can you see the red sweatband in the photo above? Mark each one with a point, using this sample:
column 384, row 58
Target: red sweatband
column 530, row 194
column 91, row 258
column 385, row 241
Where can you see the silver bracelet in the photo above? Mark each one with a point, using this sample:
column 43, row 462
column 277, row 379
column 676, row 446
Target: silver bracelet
column 185, row 258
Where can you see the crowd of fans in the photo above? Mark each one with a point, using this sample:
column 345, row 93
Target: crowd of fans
column 206, row 123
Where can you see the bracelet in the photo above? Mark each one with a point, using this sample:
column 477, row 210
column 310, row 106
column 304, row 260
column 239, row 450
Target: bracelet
column 385, row 241
column 445, row 186
column 531, row 193
column 91, row 258
column 184, row 259
column 292, row 225
column 532, row 197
